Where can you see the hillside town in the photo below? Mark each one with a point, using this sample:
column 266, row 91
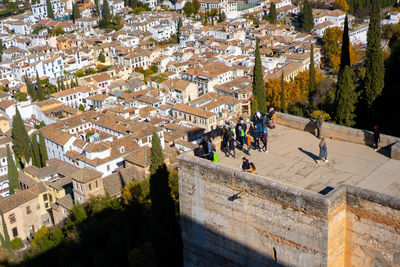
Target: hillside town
column 93, row 81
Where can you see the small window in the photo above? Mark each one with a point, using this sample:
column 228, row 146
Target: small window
column 45, row 198
column 90, row 187
column 28, row 210
column 81, row 188
column 12, row 218
column 97, row 184
column 108, row 167
column 46, row 205
column 15, row 232
column 51, row 198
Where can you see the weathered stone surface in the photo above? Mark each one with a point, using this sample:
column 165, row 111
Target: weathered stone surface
column 230, row 218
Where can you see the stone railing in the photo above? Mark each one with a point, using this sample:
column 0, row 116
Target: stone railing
column 339, row 132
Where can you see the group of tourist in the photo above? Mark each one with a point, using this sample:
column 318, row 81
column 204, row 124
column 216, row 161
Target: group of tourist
column 247, row 138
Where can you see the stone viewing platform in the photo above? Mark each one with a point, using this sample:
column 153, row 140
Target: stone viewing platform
column 292, row 155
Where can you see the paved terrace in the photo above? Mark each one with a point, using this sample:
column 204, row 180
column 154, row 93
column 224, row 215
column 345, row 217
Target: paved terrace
column 291, row 160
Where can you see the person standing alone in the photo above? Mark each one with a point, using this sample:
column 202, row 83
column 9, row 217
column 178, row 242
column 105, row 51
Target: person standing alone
column 323, row 151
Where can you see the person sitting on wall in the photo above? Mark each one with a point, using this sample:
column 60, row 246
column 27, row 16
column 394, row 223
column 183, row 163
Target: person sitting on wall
column 252, row 168
column 245, row 165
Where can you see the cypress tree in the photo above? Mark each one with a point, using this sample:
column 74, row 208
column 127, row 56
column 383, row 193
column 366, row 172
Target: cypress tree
column 43, row 150
column 96, row 2
column 12, row 173
column 259, row 92
column 35, row 152
column 272, row 13
column 76, row 13
column 50, row 12
column 157, row 156
column 374, row 68
column 62, row 85
column 30, row 89
column 345, row 56
column 76, row 81
column 166, row 235
column 106, row 12
column 283, row 97
column 312, row 83
column 20, row 137
column 346, row 98
column 101, row 57
column 178, row 32
column 5, row 240
column 307, row 17
column 39, row 88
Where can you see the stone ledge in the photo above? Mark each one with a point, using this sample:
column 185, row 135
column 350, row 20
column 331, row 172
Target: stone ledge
column 395, row 151
column 339, row 132
column 285, row 194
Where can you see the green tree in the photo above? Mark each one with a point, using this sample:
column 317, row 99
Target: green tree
column 16, row 243
column 77, row 216
column 76, row 13
column 81, row 107
column 5, row 240
column 96, row 2
column 50, row 12
column 43, row 150
column 35, row 152
column 312, row 83
column 345, row 55
column 157, row 156
column 196, row 6
column 30, row 89
column 307, row 17
column 258, row 83
column 345, row 99
column 272, row 13
column 20, row 137
column 188, row 9
column 12, row 172
column 101, row 58
column 166, row 236
column 178, row 31
column 283, row 94
column 39, row 88
column 374, row 68
column 106, row 12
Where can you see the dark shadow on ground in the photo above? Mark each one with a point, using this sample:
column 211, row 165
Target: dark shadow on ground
column 308, row 153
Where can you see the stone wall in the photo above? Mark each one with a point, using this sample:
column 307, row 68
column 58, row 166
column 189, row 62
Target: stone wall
column 231, row 218
column 334, row 131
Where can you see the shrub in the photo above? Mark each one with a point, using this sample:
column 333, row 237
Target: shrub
column 16, row 243
column 325, row 116
column 81, row 107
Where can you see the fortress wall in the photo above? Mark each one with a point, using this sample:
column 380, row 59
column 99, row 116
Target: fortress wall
column 372, row 228
column 231, row 218
column 334, row 131
column 270, row 221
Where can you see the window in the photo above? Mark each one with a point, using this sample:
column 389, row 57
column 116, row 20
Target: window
column 90, row 187
column 28, row 210
column 45, row 197
column 97, row 184
column 81, row 188
column 12, row 218
column 46, row 205
column 108, row 167
column 15, row 232
column 51, row 198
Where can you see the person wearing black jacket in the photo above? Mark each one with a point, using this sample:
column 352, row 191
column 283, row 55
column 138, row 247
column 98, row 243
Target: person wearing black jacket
column 245, row 164
column 377, row 137
column 256, row 136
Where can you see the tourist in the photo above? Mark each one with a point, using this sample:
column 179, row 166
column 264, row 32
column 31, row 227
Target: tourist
column 232, row 146
column 241, row 135
column 215, row 157
column 318, row 124
column 323, row 151
column 272, row 118
column 245, row 165
column 264, row 123
column 252, row 168
column 264, row 140
column 209, row 153
column 248, row 143
column 377, row 137
column 256, row 136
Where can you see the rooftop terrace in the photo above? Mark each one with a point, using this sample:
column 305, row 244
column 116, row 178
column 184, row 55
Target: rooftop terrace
column 291, row 160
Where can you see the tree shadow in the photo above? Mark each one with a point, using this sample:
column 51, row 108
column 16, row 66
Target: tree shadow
column 308, row 153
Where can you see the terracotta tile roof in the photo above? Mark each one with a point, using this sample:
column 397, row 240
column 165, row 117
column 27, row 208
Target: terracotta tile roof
column 193, row 111
column 98, row 97
column 97, row 147
column 66, row 202
column 6, row 104
column 140, row 157
column 56, row 136
column 85, row 175
column 71, row 91
column 114, row 183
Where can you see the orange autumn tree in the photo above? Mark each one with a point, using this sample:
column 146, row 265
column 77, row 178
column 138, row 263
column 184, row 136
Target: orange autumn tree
column 295, row 91
column 332, row 43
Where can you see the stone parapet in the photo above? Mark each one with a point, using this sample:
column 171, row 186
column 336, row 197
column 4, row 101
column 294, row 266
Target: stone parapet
column 231, row 218
column 335, row 131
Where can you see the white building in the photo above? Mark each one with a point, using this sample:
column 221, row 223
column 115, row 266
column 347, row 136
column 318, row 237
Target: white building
column 39, row 10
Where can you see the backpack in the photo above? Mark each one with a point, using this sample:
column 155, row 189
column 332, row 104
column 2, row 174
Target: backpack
column 215, row 157
column 241, row 133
